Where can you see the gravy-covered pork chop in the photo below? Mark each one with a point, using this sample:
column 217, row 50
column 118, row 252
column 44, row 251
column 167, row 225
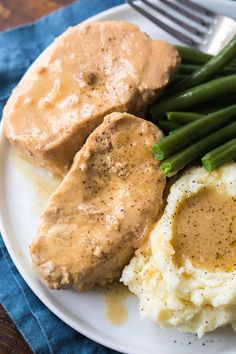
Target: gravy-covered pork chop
column 104, row 207
column 89, row 71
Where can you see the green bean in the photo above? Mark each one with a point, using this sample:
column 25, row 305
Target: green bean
column 220, row 155
column 174, row 131
column 186, row 69
column 222, row 101
column 191, row 132
column 167, row 126
column 195, row 56
column 194, row 96
column 210, row 109
column 178, row 77
column 183, row 118
column 210, row 68
column 178, row 161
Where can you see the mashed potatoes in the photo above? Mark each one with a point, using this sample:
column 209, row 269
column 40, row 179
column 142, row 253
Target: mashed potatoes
column 185, row 277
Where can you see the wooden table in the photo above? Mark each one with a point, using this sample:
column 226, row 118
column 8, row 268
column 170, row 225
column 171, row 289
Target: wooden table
column 14, row 13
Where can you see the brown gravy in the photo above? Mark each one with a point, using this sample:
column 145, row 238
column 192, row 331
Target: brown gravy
column 44, row 184
column 205, row 231
column 115, row 294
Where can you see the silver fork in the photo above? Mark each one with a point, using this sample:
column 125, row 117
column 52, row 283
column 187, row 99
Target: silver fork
column 188, row 22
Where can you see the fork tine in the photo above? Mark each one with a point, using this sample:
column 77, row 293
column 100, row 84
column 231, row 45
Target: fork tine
column 182, row 24
column 184, row 12
column 176, row 34
column 197, row 7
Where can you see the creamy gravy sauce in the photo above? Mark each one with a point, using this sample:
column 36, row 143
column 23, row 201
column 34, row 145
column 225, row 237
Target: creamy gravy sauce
column 114, row 295
column 44, row 184
column 205, row 231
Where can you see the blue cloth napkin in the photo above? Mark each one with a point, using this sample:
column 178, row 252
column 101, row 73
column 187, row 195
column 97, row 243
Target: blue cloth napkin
column 45, row 333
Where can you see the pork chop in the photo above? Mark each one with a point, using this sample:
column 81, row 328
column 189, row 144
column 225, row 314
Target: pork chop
column 89, row 71
column 104, row 207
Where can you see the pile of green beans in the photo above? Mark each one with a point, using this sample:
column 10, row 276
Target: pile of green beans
column 194, row 96
column 213, row 66
column 220, row 155
column 198, row 115
column 192, row 131
column 195, row 151
column 195, row 56
column 186, row 69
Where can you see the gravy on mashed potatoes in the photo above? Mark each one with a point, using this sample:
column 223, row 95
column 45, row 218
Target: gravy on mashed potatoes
column 204, row 231
column 185, row 276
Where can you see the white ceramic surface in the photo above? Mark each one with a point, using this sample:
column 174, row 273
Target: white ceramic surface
column 22, row 197
column 224, row 7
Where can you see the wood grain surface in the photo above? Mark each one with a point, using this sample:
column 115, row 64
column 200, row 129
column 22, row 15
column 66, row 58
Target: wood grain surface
column 11, row 341
column 14, row 13
column 18, row 12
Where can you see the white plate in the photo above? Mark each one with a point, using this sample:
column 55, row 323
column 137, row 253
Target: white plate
column 23, row 191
